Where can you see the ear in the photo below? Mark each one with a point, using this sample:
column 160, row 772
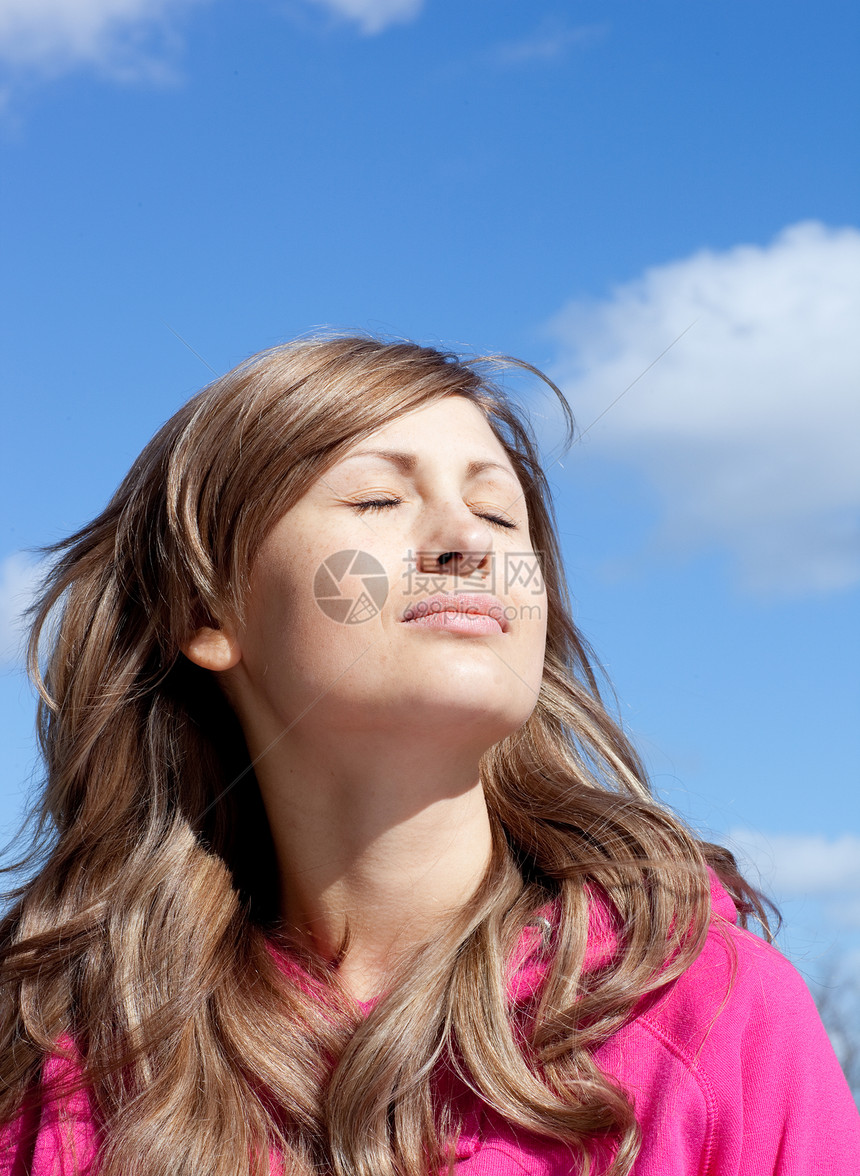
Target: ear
column 213, row 649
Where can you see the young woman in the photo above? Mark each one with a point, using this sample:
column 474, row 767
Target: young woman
column 345, row 868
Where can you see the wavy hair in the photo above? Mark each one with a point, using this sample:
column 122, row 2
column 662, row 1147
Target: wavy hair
column 145, row 929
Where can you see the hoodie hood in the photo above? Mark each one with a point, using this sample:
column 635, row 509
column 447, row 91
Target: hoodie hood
column 530, row 962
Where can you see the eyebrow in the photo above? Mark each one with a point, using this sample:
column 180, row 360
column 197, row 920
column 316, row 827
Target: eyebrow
column 406, row 462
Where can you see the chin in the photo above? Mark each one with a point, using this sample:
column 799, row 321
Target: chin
column 455, row 716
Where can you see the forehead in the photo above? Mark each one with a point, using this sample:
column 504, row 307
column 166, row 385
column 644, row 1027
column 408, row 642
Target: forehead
column 453, row 429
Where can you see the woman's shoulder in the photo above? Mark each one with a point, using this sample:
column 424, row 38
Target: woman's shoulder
column 739, row 986
column 56, row 1133
column 731, row 1062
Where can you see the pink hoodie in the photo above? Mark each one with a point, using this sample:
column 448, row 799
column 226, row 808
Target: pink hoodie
column 730, row 1071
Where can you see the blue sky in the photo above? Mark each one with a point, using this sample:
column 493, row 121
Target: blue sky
column 588, row 186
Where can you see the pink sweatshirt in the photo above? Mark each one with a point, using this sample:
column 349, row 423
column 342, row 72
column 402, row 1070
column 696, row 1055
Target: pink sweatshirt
column 729, row 1077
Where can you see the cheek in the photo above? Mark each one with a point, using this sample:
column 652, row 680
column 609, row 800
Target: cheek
column 297, row 650
column 277, row 617
column 535, row 652
column 531, row 618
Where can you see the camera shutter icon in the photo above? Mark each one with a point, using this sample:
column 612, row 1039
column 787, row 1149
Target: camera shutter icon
column 358, row 601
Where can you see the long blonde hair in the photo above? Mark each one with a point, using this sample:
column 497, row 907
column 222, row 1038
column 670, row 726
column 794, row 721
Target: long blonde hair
column 144, row 934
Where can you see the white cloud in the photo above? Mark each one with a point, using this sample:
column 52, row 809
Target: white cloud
column 549, row 42
column 748, row 425
column 815, row 882
column 374, row 15
column 130, row 40
column 797, row 865
column 19, row 578
column 125, row 38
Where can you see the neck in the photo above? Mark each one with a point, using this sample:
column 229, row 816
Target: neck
column 383, row 840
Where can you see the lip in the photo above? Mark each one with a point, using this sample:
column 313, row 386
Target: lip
column 429, row 608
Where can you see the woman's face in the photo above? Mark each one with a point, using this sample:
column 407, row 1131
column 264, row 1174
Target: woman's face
column 401, row 594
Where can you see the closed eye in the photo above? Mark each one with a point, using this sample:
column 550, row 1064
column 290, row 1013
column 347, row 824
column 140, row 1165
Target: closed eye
column 375, row 504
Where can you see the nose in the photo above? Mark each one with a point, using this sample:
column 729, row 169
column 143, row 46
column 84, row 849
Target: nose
column 459, row 545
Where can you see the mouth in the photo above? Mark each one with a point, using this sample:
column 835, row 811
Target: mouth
column 463, row 612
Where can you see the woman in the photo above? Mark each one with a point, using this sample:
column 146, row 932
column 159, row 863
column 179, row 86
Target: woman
column 346, row 867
